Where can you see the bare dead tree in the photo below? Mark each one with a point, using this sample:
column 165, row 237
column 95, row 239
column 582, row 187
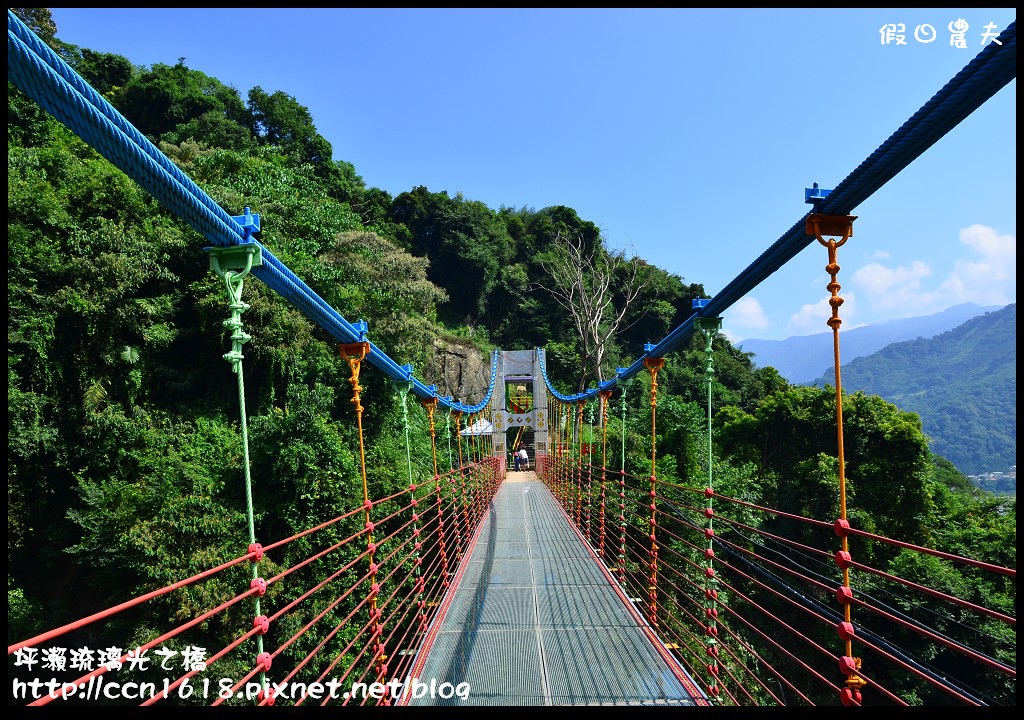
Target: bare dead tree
column 582, row 277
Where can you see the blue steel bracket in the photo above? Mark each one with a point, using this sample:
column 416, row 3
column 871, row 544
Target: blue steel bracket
column 361, row 327
column 814, row 195
column 250, row 223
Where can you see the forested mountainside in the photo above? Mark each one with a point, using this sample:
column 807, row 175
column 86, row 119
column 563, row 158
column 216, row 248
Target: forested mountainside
column 963, row 384
column 802, row 359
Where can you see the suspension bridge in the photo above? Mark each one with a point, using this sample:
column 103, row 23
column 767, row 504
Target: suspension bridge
column 572, row 583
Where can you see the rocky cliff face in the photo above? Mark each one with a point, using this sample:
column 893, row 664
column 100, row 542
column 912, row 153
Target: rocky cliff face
column 459, row 369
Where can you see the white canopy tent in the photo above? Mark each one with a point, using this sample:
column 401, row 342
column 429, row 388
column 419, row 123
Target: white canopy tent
column 483, row 426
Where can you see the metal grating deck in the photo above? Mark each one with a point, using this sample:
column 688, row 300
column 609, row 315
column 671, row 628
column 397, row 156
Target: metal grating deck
column 534, row 619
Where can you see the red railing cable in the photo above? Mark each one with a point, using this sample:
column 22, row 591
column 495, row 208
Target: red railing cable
column 77, row 624
column 995, row 665
column 915, row 671
column 209, row 661
column 156, row 641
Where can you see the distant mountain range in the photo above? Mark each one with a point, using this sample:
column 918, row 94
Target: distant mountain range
column 804, row 358
column 962, row 383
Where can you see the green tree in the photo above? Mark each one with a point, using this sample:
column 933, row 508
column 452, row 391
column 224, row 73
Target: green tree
column 664, row 302
column 278, row 119
column 40, row 21
column 791, row 434
column 467, row 245
column 374, row 278
column 158, row 100
column 105, row 72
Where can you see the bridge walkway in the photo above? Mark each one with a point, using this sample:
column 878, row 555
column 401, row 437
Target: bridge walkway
column 534, row 618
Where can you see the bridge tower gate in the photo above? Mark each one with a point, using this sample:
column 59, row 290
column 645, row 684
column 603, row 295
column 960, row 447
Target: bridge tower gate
column 521, row 368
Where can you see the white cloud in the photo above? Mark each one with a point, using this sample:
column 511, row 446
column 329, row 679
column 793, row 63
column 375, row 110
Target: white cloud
column 744, row 316
column 990, row 278
column 812, row 319
column 987, row 242
column 746, row 313
column 891, row 287
column 986, row 275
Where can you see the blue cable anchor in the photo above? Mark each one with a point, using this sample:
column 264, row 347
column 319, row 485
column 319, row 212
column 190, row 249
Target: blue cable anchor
column 250, row 223
column 814, row 195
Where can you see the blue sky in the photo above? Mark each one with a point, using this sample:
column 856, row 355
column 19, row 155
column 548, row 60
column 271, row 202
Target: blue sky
column 687, row 136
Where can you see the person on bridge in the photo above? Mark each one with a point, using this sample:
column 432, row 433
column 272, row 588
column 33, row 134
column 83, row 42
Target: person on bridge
column 524, row 458
column 517, row 457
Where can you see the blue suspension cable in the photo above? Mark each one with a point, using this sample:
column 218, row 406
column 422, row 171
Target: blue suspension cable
column 44, row 76
column 993, row 68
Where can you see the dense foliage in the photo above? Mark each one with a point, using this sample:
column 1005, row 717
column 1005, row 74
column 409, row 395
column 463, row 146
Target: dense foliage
column 124, row 459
